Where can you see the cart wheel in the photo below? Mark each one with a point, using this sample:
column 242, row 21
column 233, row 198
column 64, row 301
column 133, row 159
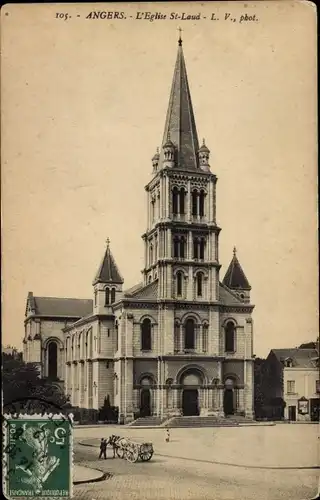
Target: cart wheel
column 120, row 452
column 132, row 455
column 146, row 455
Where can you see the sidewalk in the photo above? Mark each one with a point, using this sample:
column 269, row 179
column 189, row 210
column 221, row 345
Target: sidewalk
column 87, row 475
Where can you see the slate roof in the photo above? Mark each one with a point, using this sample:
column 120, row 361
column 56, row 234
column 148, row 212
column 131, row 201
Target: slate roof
column 301, row 358
column 65, row 307
column 227, row 297
column 235, row 277
column 148, row 292
column 108, row 271
column 180, row 124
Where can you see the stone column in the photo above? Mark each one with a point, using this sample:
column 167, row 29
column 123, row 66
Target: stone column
column 181, row 339
column 90, row 388
column 167, row 200
column 248, row 391
column 73, row 384
column 81, row 387
column 158, row 388
column 188, row 218
column 214, row 395
column 241, row 400
column 200, row 339
column 220, row 393
column 168, row 250
column 190, row 246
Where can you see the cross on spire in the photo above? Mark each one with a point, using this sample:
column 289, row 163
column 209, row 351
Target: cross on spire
column 234, row 251
column 180, row 39
column 108, row 242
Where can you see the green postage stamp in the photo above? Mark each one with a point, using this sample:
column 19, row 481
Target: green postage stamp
column 37, row 456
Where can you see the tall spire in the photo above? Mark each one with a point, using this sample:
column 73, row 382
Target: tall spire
column 235, row 277
column 108, row 271
column 180, row 123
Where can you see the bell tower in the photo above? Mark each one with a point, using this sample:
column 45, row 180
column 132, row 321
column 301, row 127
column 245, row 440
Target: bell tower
column 107, row 284
column 181, row 239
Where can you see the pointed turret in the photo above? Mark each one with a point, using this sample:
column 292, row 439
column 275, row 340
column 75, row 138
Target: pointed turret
column 108, row 271
column 236, row 280
column 180, row 124
column 107, row 283
column 204, row 154
column 155, row 161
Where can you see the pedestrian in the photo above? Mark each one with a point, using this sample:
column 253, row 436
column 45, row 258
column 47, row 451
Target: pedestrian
column 168, row 436
column 103, row 448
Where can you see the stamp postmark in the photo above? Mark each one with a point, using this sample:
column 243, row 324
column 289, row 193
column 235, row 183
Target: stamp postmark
column 37, row 456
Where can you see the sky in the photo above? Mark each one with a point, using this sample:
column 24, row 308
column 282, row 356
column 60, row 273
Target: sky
column 83, row 111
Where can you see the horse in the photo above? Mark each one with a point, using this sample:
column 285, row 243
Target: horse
column 112, row 441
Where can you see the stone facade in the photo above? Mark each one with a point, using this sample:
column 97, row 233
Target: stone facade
column 180, row 342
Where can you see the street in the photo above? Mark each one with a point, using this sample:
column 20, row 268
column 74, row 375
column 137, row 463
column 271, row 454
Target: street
column 184, row 468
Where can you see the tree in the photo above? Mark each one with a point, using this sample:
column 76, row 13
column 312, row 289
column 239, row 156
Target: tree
column 21, row 382
column 108, row 413
column 105, row 410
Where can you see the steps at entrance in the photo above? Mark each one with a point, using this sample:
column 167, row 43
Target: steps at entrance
column 201, row 422
column 146, row 422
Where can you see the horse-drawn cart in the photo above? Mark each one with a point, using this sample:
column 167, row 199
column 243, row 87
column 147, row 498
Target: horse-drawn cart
column 131, row 450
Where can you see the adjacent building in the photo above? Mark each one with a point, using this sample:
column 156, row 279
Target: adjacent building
column 292, row 376
column 181, row 341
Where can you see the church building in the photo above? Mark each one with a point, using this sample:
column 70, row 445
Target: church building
column 178, row 343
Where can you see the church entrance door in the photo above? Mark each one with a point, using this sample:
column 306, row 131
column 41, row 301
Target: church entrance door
column 145, row 403
column 228, row 406
column 190, row 403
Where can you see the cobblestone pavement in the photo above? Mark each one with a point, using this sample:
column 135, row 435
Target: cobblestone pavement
column 191, row 478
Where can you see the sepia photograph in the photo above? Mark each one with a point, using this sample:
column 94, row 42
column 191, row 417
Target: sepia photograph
column 160, row 334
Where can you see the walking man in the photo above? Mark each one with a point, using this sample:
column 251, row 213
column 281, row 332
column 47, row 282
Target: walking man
column 103, row 448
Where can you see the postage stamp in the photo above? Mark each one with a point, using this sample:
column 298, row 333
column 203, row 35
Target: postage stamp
column 37, row 456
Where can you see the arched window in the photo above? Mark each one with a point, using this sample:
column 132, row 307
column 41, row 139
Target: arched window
column 195, row 248
column 182, row 247
column 181, row 201
column 201, row 203
column 149, row 279
column 195, row 202
column 113, row 295
column 175, row 200
column 179, row 279
column 156, row 247
column 176, row 247
column 152, row 210
column 95, row 297
column 146, row 381
column 107, row 297
column 189, row 336
column 201, row 248
column 230, row 337
column 146, row 335
column 199, row 284
column 151, row 254
column 52, row 360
